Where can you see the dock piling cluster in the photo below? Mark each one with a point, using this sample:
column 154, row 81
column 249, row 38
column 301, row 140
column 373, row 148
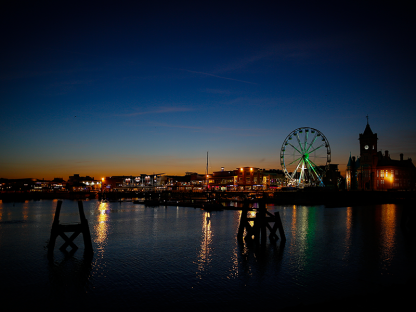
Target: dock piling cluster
column 59, row 229
column 261, row 222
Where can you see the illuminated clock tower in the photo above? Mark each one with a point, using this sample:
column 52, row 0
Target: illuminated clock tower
column 368, row 158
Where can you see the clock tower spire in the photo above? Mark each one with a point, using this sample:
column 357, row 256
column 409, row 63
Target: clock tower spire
column 368, row 146
column 368, row 159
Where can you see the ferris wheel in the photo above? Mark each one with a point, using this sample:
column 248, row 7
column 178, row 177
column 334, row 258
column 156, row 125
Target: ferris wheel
column 305, row 156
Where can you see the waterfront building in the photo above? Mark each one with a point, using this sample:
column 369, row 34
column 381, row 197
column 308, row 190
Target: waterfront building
column 83, row 184
column 142, row 182
column 332, row 178
column 111, row 183
column 394, row 174
column 17, row 185
column 31, row 185
column 273, row 179
column 190, row 182
column 374, row 170
column 249, row 179
column 224, row 180
column 351, row 174
column 240, row 179
column 197, row 181
column 57, row 184
column 246, row 179
column 178, row 183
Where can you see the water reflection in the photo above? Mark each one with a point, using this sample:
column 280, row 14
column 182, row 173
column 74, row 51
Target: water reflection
column 234, row 270
column 25, row 210
column 348, row 231
column 328, row 252
column 101, row 226
column 304, row 230
column 69, row 280
column 387, row 233
column 250, row 214
column 205, row 254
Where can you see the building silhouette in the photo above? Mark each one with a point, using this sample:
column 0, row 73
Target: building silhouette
column 374, row 170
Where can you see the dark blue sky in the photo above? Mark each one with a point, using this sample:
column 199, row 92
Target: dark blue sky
column 155, row 86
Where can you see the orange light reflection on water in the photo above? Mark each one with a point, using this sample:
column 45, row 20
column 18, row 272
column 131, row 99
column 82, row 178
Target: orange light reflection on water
column 293, row 225
column 234, row 270
column 204, row 256
column 388, row 232
column 25, row 210
column 101, row 228
column 348, row 229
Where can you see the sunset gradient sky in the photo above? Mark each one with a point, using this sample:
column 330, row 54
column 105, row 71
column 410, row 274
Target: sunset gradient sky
column 123, row 89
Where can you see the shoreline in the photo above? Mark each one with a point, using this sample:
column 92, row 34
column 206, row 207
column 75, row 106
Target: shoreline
column 331, row 199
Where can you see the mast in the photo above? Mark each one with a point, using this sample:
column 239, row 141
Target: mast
column 207, row 171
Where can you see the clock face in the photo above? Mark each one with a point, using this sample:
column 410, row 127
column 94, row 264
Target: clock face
column 366, row 147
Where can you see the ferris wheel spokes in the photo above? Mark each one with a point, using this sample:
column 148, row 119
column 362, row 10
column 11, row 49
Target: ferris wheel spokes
column 305, row 164
column 306, row 139
column 316, row 149
column 313, row 141
column 295, row 148
column 300, row 175
column 313, row 170
column 300, row 145
column 295, row 160
column 294, row 171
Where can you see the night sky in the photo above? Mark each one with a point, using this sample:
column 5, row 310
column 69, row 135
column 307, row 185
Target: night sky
column 123, row 89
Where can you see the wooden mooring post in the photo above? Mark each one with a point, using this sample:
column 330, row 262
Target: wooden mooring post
column 59, row 229
column 261, row 222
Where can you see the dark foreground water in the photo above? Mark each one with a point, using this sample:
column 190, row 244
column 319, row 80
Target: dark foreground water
column 177, row 258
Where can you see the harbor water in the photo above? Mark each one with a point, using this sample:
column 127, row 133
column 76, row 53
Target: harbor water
column 179, row 258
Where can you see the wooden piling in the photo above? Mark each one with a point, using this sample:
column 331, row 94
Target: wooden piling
column 85, row 229
column 243, row 222
column 59, row 229
column 258, row 232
